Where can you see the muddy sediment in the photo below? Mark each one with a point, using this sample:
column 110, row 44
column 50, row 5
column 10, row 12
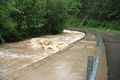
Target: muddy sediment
column 17, row 56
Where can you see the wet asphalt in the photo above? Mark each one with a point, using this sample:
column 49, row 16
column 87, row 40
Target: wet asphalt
column 112, row 44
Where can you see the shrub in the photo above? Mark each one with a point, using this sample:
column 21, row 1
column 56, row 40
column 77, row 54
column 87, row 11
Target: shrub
column 55, row 16
column 103, row 24
column 34, row 31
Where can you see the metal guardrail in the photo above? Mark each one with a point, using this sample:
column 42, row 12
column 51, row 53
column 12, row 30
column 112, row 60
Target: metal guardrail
column 93, row 65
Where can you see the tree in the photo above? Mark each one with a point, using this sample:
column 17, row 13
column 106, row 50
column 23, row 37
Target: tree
column 55, row 16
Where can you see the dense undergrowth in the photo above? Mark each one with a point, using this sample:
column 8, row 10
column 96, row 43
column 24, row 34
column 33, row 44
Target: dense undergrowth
column 22, row 19
column 112, row 25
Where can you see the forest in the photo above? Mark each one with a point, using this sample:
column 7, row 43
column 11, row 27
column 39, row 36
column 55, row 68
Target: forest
column 22, row 19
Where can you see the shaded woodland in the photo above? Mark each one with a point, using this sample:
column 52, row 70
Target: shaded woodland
column 21, row 19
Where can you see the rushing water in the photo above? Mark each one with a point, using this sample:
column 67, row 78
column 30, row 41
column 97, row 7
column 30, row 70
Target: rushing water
column 14, row 56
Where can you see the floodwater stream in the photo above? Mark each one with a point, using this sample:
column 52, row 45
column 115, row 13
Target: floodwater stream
column 15, row 56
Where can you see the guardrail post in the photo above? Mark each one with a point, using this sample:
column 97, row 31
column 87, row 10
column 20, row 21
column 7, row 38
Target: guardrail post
column 91, row 73
column 89, row 66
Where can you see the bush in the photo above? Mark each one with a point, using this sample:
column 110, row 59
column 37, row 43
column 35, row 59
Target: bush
column 1, row 39
column 103, row 24
column 55, row 16
column 34, row 31
column 72, row 21
column 11, row 36
column 92, row 23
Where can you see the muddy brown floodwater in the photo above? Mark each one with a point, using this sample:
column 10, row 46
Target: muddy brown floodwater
column 15, row 56
column 69, row 64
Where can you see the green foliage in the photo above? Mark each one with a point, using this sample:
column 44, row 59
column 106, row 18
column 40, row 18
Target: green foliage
column 91, row 23
column 72, row 21
column 21, row 19
column 73, row 7
column 34, row 31
column 115, row 25
column 96, row 13
column 55, row 16
column 101, row 9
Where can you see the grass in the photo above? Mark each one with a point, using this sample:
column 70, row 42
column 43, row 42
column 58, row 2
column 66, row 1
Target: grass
column 104, row 30
column 103, row 26
column 72, row 22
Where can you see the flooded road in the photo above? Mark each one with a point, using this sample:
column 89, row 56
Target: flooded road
column 70, row 64
column 15, row 56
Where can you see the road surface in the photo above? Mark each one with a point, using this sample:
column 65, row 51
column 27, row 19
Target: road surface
column 112, row 43
column 70, row 64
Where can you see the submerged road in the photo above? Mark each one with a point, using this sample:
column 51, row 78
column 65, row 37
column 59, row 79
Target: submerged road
column 112, row 43
column 70, row 64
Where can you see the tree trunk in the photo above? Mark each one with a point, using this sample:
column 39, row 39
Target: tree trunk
column 83, row 21
column 19, row 24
